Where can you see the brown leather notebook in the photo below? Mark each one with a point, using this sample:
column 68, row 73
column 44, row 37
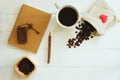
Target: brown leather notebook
column 39, row 20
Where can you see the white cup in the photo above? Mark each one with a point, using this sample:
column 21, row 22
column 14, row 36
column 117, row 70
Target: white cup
column 68, row 20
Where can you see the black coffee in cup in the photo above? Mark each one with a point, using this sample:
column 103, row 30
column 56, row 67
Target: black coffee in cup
column 68, row 16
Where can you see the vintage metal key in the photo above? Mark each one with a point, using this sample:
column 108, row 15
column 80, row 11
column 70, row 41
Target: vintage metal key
column 30, row 27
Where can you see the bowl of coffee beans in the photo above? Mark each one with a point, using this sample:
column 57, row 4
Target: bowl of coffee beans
column 25, row 67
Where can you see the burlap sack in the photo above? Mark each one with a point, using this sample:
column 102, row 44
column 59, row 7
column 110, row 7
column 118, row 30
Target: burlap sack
column 101, row 16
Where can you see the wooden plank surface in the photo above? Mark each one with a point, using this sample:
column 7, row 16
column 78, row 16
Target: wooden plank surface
column 100, row 61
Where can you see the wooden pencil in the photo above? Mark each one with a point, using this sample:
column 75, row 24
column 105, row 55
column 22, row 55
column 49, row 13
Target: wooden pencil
column 49, row 47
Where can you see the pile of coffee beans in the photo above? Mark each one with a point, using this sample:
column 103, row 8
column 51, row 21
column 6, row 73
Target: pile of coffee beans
column 25, row 66
column 83, row 32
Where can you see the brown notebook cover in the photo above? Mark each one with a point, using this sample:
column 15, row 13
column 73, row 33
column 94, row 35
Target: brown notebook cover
column 39, row 19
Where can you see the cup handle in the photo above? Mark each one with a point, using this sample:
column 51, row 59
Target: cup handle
column 57, row 5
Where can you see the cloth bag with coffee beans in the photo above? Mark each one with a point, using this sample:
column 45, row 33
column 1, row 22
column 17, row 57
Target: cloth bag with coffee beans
column 101, row 16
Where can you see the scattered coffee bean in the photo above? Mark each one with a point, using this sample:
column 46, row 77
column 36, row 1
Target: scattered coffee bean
column 76, row 32
column 25, row 66
column 77, row 28
column 84, row 32
column 91, row 36
column 79, row 25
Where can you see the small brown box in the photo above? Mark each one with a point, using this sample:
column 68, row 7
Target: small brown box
column 39, row 19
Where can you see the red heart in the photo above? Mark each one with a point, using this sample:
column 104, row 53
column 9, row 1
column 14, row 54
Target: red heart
column 103, row 18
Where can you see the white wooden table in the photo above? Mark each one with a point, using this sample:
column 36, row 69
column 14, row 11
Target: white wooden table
column 96, row 59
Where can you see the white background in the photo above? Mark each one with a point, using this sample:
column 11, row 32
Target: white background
column 96, row 59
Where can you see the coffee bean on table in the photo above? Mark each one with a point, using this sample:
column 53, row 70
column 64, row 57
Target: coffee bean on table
column 79, row 25
column 91, row 36
column 83, row 32
column 76, row 32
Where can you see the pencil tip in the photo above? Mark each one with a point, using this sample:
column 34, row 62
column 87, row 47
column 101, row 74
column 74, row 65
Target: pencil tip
column 48, row 62
column 49, row 33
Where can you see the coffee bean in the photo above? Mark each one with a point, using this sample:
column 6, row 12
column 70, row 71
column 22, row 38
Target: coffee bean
column 76, row 32
column 79, row 25
column 73, row 39
column 77, row 28
column 91, row 36
column 84, row 32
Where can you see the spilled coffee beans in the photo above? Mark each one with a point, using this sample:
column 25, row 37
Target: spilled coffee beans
column 83, row 32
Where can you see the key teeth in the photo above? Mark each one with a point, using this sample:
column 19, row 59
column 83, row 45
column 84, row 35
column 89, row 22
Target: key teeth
column 37, row 33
